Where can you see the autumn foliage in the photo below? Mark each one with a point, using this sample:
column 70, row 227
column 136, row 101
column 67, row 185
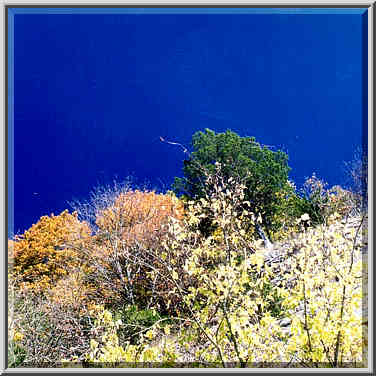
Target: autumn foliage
column 129, row 278
column 139, row 216
column 40, row 256
column 129, row 233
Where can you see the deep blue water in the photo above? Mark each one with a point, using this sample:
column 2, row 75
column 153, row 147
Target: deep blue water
column 93, row 94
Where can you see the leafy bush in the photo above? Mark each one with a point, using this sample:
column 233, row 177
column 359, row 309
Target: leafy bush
column 16, row 355
column 273, row 300
column 134, row 321
column 50, row 331
column 40, row 256
column 16, row 351
column 328, row 276
column 127, row 245
column 225, row 303
column 44, row 329
column 263, row 172
column 139, row 216
column 73, row 290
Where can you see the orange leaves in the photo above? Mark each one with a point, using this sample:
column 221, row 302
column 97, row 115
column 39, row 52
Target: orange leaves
column 126, row 245
column 112, row 263
column 139, row 216
column 39, row 255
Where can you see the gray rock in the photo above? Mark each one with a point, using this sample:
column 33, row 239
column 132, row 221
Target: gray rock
column 285, row 322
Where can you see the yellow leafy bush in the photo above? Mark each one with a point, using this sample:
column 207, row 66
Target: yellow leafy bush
column 40, row 256
column 106, row 351
column 328, row 287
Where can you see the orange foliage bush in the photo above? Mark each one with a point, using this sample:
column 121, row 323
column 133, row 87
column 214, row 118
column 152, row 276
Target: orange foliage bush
column 130, row 233
column 41, row 255
column 139, row 216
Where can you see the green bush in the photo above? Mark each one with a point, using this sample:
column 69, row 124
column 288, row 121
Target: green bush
column 264, row 172
column 16, row 355
column 134, row 321
column 273, row 301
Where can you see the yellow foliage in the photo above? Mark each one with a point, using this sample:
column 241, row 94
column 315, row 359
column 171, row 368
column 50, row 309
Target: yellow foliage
column 328, row 286
column 41, row 255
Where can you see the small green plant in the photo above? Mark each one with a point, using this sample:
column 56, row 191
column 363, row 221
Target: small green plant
column 16, row 354
column 134, row 321
column 273, row 301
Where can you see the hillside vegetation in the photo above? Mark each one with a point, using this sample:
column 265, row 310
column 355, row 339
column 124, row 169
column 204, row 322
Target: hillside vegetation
column 212, row 278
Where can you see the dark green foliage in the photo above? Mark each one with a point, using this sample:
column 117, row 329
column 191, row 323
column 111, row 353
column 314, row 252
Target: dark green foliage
column 134, row 321
column 270, row 296
column 273, row 301
column 263, row 171
column 312, row 207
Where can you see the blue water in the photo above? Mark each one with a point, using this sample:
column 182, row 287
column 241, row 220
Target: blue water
column 93, row 94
